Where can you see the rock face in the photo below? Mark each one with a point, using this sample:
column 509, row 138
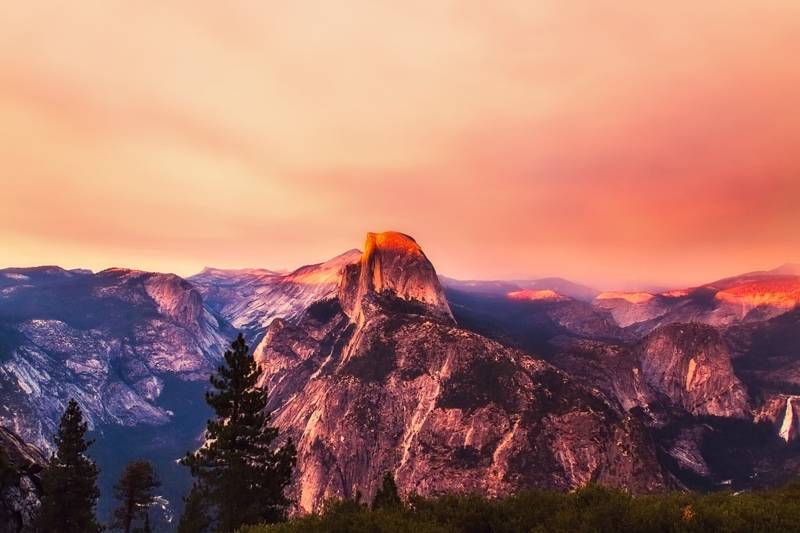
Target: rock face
column 20, row 483
column 633, row 308
column 560, row 286
column 613, row 368
column 782, row 412
column 250, row 299
column 109, row 340
column 691, row 365
column 392, row 264
column 768, row 353
column 379, row 378
column 677, row 370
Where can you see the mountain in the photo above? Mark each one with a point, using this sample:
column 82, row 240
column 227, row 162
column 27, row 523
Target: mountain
column 559, row 286
column 709, row 370
column 530, row 322
column 392, row 265
column 630, row 308
column 380, row 378
column 752, row 297
column 789, row 269
column 133, row 348
column 20, row 483
column 251, row 298
column 106, row 339
column 678, row 369
column 375, row 363
column 767, row 356
column 691, row 365
column 682, row 382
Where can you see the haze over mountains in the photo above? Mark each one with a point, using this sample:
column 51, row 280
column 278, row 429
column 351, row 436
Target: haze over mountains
column 374, row 363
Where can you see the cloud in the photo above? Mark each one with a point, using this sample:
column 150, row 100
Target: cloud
column 608, row 141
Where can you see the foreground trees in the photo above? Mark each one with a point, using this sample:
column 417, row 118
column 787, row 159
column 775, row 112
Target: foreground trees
column 239, row 472
column 387, row 495
column 195, row 517
column 69, row 481
column 136, row 493
column 592, row 509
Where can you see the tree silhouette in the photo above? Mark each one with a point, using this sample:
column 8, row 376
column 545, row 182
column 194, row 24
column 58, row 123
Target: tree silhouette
column 69, row 481
column 387, row 495
column 135, row 491
column 240, row 470
column 195, row 515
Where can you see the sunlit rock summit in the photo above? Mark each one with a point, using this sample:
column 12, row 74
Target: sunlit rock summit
column 392, row 266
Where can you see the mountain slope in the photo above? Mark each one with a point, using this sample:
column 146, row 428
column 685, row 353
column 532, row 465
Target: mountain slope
column 561, row 286
column 691, row 365
column 379, row 378
column 251, row 298
column 751, row 297
column 20, row 484
column 107, row 340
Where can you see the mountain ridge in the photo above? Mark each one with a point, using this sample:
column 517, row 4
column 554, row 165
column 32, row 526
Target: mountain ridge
column 465, row 371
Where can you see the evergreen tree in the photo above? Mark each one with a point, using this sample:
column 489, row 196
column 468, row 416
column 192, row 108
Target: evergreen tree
column 69, row 480
column 135, row 491
column 242, row 473
column 387, row 495
column 195, row 516
column 146, row 528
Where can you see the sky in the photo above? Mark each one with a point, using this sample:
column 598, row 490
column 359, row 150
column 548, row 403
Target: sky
column 619, row 143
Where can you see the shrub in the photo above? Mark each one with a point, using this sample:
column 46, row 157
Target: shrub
column 591, row 509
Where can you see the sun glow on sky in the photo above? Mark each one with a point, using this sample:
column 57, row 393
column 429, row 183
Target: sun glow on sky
column 615, row 143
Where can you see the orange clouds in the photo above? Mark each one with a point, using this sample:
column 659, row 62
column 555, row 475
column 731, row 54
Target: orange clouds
column 611, row 142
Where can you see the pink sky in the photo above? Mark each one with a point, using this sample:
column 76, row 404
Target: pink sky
column 616, row 143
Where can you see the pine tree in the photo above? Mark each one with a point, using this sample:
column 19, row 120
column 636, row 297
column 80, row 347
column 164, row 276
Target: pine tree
column 195, row 516
column 69, row 480
column 387, row 495
column 135, row 491
column 242, row 473
column 147, row 528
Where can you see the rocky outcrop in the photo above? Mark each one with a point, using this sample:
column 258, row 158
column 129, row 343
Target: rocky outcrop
column 20, row 483
column 614, row 369
column 381, row 379
column 770, row 293
column 393, row 264
column 536, row 295
column 691, row 365
column 630, row 308
column 781, row 411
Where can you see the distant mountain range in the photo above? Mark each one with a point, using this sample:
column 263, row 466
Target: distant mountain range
column 374, row 363
column 251, row 298
column 558, row 286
